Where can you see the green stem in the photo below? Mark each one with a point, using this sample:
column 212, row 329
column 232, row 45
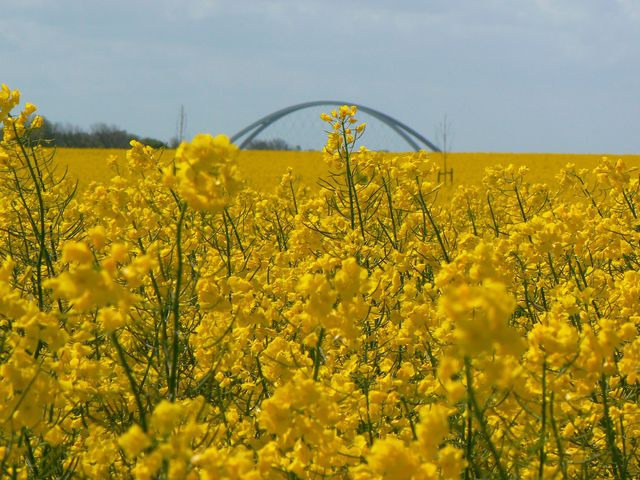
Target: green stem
column 347, row 160
column 482, row 422
column 469, row 440
column 317, row 356
column 353, row 193
column 543, row 429
column 31, row 461
column 228, row 246
column 293, row 196
column 175, row 348
column 554, row 428
column 520, row 205
column 391, row 213
column 435, row 227
column 493, row 216
column 132, row 382
column 619, row 472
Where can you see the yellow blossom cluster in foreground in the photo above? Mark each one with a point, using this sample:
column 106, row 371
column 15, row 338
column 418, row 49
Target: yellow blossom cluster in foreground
column 172, row 324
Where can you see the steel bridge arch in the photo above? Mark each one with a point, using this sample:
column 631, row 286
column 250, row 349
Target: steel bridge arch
column 409, row 135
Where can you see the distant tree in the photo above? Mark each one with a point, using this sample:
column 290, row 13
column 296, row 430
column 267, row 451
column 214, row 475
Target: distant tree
column 153, row 142
column 110, row 136
column 100, row 135
column 271, row 144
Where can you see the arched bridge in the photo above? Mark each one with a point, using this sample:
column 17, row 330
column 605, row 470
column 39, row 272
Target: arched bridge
column 416, row 141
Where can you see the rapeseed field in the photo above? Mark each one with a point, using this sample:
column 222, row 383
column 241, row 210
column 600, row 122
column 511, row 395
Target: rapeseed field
column 173, row 321
column 264, row 169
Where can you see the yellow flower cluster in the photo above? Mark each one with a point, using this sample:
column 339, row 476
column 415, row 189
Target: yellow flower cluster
column 203, row 172
column 172, row 323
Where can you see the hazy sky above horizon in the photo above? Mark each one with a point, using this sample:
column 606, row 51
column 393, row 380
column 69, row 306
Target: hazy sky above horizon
column 511, row 75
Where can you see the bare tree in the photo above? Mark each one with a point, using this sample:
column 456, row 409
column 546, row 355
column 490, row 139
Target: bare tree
column 444, row 137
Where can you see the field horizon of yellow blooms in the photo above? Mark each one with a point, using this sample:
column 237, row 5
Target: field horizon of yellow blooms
column 171, row 322
column 263, row 168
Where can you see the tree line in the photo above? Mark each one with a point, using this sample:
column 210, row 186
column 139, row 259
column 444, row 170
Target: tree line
column 102, row 135
column 99, row 135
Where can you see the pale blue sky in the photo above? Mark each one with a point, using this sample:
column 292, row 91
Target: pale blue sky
column 511, row 75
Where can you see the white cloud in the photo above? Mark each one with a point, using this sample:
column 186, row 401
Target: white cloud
column 187, row 9
column 201, row 9
column 563, row 13
column 631, row 8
